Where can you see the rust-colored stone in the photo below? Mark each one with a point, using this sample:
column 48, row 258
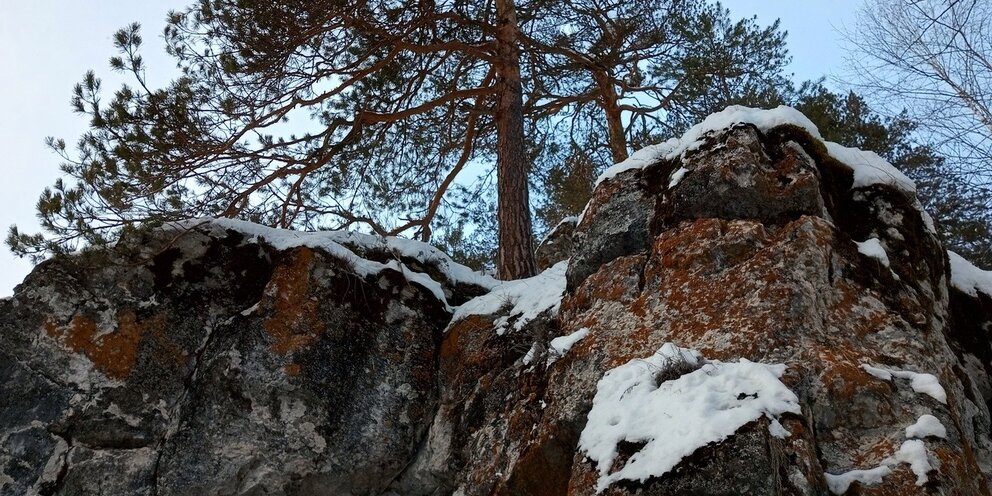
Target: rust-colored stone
column 293, row 322
column 292, row 368
column 114, row 353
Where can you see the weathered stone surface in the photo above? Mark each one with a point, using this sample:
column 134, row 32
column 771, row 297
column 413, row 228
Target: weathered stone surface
column 741, row 179
column 220, row 364
column 217, row 365
column 752, row 254
column 557, row 245
column 614, row 223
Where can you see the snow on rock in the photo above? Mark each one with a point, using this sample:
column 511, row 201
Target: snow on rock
column 675, row 418
column 568, row 220
column 677, row 177
column 868, row 167
column 775, row 428
column 882, row 374
column 561, row 344
column 420, row 278
column 674, row 148
column 531, row 353
column 528, row 298
column 968, row 278
column 571, row 219
column 340, row 243
column 639, row 160
column 872, row 247
column 912, row 452
column 921, row 383
column 840, row 483
column 927, row 219
column 927, row 426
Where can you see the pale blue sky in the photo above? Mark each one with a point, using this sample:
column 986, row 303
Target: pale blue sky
column 47, row 45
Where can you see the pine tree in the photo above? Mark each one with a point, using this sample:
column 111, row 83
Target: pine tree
column 399, row 94
column 614, row 74
column 323, row 114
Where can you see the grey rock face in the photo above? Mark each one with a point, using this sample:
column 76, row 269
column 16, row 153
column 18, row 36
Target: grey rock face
column 740, row 179
column 557, row 245
column 615, row 223
column 214, row 365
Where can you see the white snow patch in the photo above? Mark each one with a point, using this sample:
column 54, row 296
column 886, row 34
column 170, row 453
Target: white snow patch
column 775, row 428
column 572, row 219
column 927, row 219
column 921, row 383
column 336, row 243
column 763, row 119
column 531, row 353
column 640, row 159
column 677, row 177
column 912, row 452
column 675, row 418
column 925, row 426
column 840, row 483
column 528, row 298
column 869, row 168
column 924, row 384
column 882, row 374
column 561, row 344
column 967, row 277
column 872, row 247
column 422, row 279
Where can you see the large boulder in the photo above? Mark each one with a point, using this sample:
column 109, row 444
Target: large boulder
column 224, row 359
column 748, row 241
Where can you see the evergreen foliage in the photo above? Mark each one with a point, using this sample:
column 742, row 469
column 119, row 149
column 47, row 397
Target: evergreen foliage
column 385, row 116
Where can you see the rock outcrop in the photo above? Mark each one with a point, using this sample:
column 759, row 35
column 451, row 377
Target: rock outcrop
column 224, row 359
column 744, row 310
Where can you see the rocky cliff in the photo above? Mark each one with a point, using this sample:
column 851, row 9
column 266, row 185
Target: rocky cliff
column 744, row 310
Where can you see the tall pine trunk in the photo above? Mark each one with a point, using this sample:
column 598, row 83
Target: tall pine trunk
column 516, row 253
column 611, row 107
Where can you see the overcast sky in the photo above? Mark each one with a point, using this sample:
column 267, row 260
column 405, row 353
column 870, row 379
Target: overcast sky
column 47, row 45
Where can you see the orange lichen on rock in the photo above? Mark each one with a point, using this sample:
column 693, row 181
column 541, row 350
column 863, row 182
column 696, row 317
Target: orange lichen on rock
column 113, row 353
column 545, row 465
column 293, row 321
column 292, row 368
column 452, row 344
column 850, row 304
column 954, row 466
column 843, row 375
column 584, row 476
column 616, row 281
column 901, row 482
column 873, row 453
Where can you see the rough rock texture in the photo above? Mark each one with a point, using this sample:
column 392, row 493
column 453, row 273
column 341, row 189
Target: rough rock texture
column 557, row 244
column 751, row 254
column 218, row 364
column 214, row 365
